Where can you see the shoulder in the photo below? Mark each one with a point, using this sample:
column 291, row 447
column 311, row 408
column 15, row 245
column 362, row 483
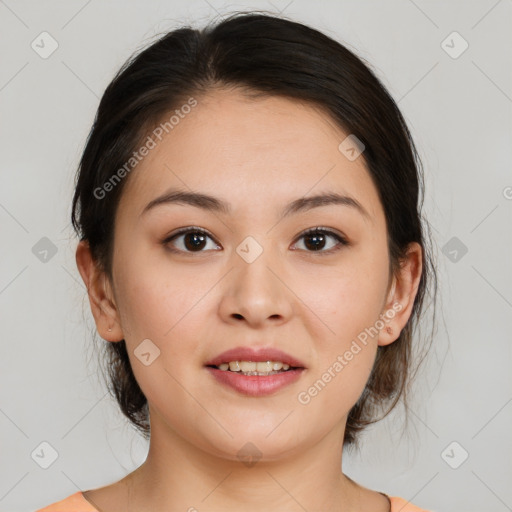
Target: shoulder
column 401, row 505
column 73, row 503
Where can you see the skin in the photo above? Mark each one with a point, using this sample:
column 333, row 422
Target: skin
column 258, row 155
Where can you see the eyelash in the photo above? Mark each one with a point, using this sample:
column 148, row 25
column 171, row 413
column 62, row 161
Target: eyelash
column 312, row 231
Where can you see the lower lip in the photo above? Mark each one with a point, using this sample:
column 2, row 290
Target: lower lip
column 256, row 385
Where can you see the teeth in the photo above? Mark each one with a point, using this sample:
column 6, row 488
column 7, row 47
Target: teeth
column 264, row 366
column 254, row 368
column 262, row 374
column 247, row 366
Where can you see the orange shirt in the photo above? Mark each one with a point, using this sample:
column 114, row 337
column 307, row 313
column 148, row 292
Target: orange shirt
column 77, row 503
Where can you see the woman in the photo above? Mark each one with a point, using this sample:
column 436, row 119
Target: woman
column 251, row 240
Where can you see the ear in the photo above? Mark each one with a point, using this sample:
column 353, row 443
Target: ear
column 100, row 293
column 401, row 295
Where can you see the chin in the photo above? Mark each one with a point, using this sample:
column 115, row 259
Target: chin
column 254, row 444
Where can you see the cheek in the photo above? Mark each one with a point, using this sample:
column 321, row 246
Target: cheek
column 349, row 302
column 345, row 360
column 154, row 301
column 169, row 312
column 345, row 300
column 168, row 308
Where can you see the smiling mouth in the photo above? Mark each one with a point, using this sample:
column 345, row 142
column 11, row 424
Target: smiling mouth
column 252, row 368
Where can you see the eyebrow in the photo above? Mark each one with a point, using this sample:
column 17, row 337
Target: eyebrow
column 214, row 204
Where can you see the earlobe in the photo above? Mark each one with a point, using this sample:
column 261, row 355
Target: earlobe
column 103, row 307
column 402, row 294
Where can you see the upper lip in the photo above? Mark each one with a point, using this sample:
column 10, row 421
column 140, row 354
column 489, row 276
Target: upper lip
column 256, row 355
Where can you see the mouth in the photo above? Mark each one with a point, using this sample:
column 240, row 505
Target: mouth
column 249, row 360
column 255, row 373
column 251, row 368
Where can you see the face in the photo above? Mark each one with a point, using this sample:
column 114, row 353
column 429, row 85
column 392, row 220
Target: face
column 247, row 275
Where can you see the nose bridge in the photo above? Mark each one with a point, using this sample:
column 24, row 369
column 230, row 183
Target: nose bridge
column 253, row 260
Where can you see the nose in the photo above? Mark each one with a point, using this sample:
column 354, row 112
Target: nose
column 257, row 292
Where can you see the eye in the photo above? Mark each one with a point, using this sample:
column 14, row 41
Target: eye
column 194, row 239
column 316, row 240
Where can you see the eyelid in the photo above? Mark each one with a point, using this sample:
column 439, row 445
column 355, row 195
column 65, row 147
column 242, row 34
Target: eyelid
column 324, row 230
column 186, row 229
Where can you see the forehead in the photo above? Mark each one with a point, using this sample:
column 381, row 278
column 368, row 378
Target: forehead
column 251, row 152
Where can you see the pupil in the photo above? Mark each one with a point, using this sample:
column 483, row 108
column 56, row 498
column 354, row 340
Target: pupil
column 318, row 237
column 194, row 241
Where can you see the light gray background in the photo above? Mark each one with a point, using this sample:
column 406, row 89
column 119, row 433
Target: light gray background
column 459, row 111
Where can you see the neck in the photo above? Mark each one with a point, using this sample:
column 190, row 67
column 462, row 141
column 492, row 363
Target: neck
column 178, row 475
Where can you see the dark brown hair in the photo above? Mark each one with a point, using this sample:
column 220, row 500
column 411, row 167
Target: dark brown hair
column 271, row 56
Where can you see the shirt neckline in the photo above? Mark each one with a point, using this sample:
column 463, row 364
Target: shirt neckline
column 98, row 510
